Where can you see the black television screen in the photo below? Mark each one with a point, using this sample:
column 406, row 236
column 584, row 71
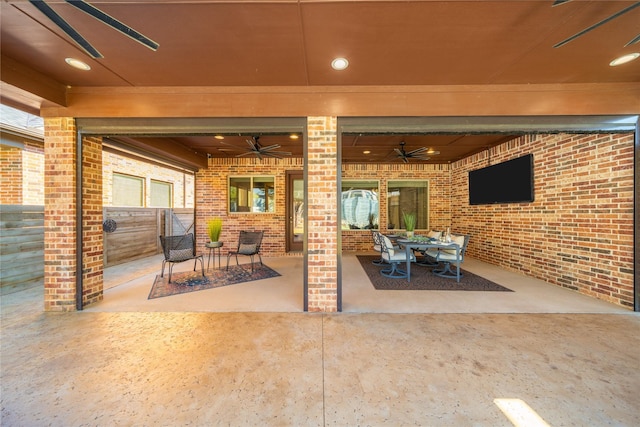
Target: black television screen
column 506, row 182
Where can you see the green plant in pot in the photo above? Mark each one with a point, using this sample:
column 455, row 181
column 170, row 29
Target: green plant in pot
column 214, row 228
column 409, row 222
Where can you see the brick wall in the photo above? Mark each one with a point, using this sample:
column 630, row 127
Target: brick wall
column 10, row 175
column 32, row 173
column 212, row 201
column 578, row 233
column 439, row 177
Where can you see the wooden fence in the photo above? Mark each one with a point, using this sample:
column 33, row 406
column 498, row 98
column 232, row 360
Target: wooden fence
column 21, row 246
column 137, row 231
column 135, row 236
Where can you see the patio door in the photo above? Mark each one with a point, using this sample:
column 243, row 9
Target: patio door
column 295, row 211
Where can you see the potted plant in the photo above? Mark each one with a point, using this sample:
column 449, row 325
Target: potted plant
column 214, row 228
column 409, row 222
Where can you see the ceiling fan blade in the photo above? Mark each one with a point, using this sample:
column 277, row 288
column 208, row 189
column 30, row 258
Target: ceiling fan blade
column 270, row 147
column 417, row 151
column 254, row 145
column 68, row 29
column 113, row 23
column 246, row 153
column 559, row 2
column 634, row 40
column 277, row 153
column 597, row 24
column 400, row 153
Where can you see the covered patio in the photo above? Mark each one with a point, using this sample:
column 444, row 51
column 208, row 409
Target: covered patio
column 127, row 288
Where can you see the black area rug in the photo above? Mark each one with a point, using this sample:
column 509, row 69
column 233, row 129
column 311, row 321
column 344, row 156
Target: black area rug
column 191, row 281
column 422, row 279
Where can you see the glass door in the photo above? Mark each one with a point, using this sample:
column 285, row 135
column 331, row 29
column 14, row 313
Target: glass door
column 295, row 211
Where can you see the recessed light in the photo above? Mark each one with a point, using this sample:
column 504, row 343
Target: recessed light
column 339, row 64
column 76, row 63
column 366, row 152
column 294, row 136
column 219, row 137
column 624, row 59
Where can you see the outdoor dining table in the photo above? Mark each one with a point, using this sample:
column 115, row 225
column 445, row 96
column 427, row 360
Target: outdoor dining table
column 424, row 243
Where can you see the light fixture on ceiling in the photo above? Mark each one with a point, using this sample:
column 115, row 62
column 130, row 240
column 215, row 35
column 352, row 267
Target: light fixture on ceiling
column 624, row 59
column 76, row 63
column 339, row 64
column 294, row 136
column 220, row 137
column 366, row 152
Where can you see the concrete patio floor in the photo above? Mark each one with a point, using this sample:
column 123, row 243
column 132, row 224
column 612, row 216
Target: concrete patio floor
column 127, row 288
column 105, row 366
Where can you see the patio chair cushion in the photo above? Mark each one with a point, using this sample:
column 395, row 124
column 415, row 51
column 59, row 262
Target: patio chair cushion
column 247, row 248
column 180, row 254
column 434, row 234
column 432, row 252
column 388, row 244
column 399, row 256
column 459, row 240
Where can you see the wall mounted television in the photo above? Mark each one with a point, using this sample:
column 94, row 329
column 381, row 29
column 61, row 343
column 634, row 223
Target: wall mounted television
column 506, row 182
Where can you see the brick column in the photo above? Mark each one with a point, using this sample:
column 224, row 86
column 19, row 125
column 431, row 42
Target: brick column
column 93, row 237
column 60, row 266
column 59, row 214
column 322, row 214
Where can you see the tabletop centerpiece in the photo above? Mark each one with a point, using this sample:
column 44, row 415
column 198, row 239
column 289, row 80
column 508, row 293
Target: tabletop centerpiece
column 409, row 223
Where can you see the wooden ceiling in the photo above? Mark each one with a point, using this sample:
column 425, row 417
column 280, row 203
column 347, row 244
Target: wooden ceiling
column 291, row 43
column 356, row 148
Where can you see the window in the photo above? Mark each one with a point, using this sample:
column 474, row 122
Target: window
column 252, row 194
column 408, row 196
column 360, row 205
column 161, row 194
column 127, row 190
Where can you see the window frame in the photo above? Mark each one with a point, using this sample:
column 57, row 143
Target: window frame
column 251, row 195
column 168, row 184
column 423, row 214
column 354, row 182
column 143, row 184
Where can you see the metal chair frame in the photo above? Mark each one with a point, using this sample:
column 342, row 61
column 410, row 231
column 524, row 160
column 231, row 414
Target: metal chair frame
column 179, row 249
column 248, row 239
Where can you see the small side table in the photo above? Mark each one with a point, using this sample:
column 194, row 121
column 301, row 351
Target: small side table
column 212, row 246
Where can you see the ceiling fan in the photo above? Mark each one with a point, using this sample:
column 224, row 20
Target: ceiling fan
column 260, row 151
column 417, row 154
column 97, row 14
column 636, row 39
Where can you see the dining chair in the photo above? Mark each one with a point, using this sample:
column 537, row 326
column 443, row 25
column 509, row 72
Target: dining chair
column 393, row 256
column 446, row 257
